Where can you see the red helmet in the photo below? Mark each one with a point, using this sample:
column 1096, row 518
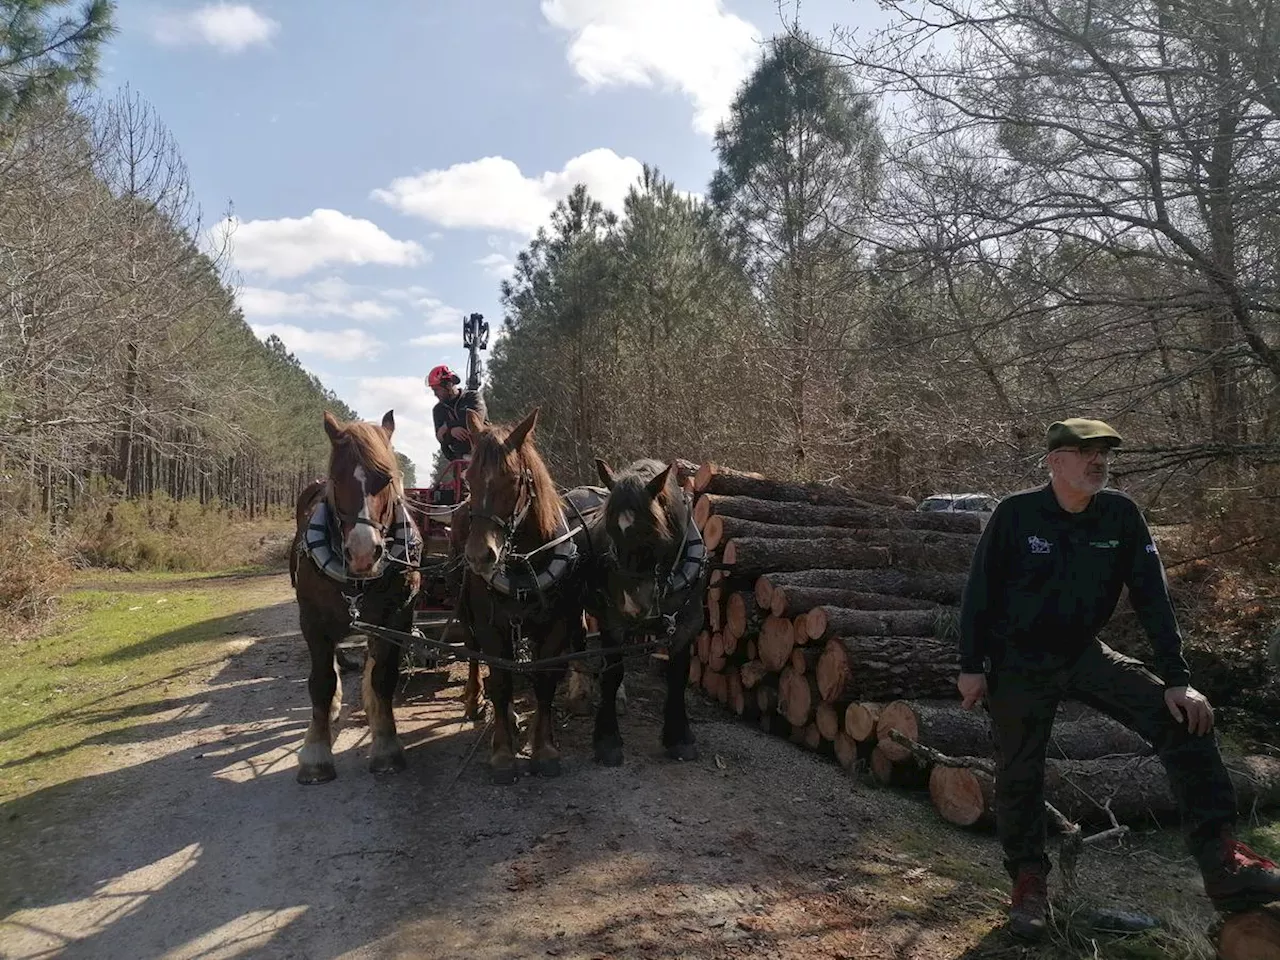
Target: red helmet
column 439, row 375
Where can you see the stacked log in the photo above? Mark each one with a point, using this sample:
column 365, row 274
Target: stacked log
column 832, row 620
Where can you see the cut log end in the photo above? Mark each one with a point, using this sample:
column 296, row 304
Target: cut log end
column 860, row 719
column 901, row 717
column 960, row 795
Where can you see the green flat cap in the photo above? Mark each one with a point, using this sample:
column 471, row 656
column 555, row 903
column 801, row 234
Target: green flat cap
column 1076, row 430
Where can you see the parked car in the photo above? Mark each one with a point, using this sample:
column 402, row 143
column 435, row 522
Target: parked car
column 981, row 503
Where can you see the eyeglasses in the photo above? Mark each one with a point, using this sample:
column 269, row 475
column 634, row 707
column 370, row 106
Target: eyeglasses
column 1100, row 451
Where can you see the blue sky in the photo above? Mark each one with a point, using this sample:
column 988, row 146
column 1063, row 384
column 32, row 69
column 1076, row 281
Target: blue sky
column 384, row 168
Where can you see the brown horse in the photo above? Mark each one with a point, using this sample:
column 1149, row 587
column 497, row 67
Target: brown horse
column 355, row 544
column 523, row 587
column 651, row 581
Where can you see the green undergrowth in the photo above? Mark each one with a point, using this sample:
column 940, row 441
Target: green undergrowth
column 105, row 664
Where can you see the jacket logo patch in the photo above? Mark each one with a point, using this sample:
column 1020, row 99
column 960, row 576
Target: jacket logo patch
column 1151, row 548
column 1039, row 546
column 1105, row 544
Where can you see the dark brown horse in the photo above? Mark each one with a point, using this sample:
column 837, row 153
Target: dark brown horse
column 651, row 581
column 522, row 593
column 355, row 544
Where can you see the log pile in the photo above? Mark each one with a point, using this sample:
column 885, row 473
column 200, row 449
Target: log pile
column 832, row 620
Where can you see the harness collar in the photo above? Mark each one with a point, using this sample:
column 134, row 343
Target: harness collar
column 404, row 549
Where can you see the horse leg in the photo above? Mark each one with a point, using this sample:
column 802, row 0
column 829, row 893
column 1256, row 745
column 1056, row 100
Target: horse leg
column 545, row 755
column 315, row 761
column 472, row 708
column 607, row 738
column 381, row 674
column 502, row 755
column 677, row 735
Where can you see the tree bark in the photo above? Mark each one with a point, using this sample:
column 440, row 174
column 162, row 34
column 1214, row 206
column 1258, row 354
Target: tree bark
column 825, row 621
column 720, row 529
column 937, row 587
column 887, row 668
column 808, row 515
column 792, row 601
column 737, row 484
column 956, row 732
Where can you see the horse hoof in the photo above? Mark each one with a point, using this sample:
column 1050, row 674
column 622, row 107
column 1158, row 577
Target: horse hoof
column 683, row 751
column 504, row 776
column 549, row 767
column 609, row 754
column 388, row 763
column 316, row 773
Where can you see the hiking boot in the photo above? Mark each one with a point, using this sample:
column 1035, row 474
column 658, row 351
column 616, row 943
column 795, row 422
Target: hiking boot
column 1235, row 877
column 1029, row 905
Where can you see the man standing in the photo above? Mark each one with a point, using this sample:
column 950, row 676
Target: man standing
column 1045, row 579
column 450, row 413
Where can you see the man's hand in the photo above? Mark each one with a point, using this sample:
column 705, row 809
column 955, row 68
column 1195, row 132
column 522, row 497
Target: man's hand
column 460, row 433
column 1189, row 704
column 973, row 687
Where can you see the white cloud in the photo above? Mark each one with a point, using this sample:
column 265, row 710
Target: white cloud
column 497, row 265
column 694, row 46
column 491, row 193
column 333, row 297
column 412, row 403
column 290, row 247
column 437, row 340
column 231, row 27
column 350, row 344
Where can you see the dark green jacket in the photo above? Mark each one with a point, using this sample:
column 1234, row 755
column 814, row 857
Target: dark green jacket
column 1044, row 579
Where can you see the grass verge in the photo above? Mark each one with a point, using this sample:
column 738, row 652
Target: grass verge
column 108, row 655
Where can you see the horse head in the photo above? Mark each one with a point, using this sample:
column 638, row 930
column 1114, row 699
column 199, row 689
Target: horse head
column 362, row 488
column 513, row 499
column 644, row 525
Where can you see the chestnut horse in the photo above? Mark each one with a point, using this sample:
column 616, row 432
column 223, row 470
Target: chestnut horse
column 524, row 583
column 651, row 580
column 355, row 544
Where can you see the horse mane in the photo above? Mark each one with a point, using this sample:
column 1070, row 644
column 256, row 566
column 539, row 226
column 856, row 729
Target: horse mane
column 372, row 449
column 490, row 455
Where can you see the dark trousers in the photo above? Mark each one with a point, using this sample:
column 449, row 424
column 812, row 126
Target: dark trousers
column 1023, row 693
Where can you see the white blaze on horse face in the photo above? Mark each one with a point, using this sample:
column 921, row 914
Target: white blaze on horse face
column 363, row 540
column 625, row 519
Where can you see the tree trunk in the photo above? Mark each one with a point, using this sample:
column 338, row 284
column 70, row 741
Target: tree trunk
column 793, row 601
column 1136, row 789
column 846, row 750
column 720, row 529
column 860, row 720
column 956, row 732
column 887, row 668
column 796, row 514
column 908, row 773
column 775, row 643
column 742, row 617
column 826, row 621
column 703, row 475
column 937, row 587
column 821, row 494
column 797, row 697
column 827, row 717
column 804, row 660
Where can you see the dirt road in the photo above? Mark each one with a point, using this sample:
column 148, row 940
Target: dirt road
column 192, row 839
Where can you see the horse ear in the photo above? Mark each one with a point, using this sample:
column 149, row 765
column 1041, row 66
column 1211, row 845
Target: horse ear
column 659, row 483
column 606, row 475
column 331, row 427
column 517, row 437
column 389, row 423
column 474, row 424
